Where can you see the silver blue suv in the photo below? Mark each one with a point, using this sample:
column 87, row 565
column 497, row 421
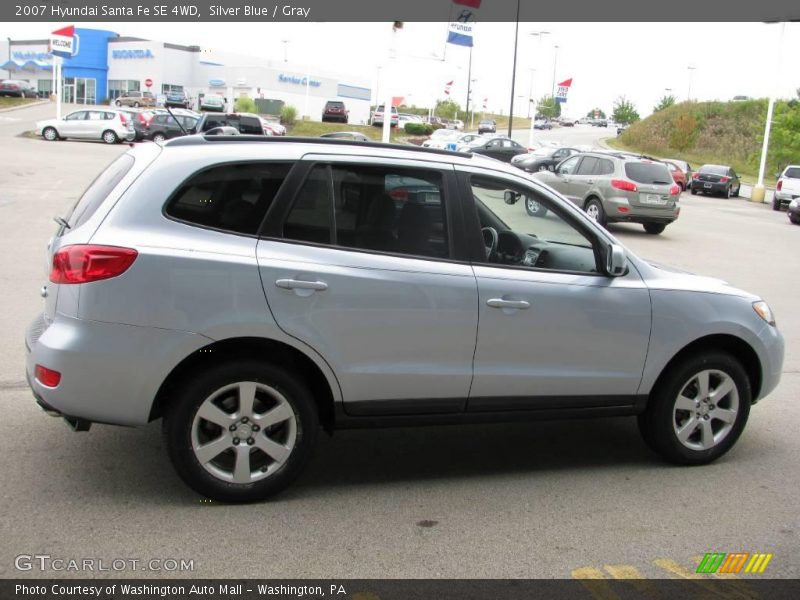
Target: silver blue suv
column 253, row 290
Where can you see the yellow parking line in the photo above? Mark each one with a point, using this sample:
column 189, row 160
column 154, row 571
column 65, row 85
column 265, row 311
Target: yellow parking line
column 595, row 583
column 637, row 580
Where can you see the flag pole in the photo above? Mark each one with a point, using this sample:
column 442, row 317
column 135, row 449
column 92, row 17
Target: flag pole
column 513, row 76
column 469, row 83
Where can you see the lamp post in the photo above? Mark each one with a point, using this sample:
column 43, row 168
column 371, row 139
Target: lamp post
column 530, row 93
column 513, row 74
column 555, row 60
column 539, row 35
column 285, row 50
column 689, row 94
column 758, row 193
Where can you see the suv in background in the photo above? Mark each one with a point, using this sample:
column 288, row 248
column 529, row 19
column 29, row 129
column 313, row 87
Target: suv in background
column 136, row 99
column 177, row 100
column 377, row 117
column 335, row 110
column 617, row 187
column 245, row 123
column 255, row 290
column 487, row 126
column 165, row 126
column 787, row 188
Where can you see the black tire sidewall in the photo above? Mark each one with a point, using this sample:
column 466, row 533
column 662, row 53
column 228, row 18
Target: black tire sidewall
column 601, row 214
column 655, row 423
column 180, row 416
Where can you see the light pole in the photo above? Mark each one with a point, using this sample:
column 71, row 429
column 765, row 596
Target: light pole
column 285, row 50
column 513, row 75
column 539, row 35
column 689, row 94
column 555, row 61
column 758, row 193
column 530, row 93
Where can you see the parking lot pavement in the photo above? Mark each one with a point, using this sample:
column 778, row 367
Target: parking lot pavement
column 547, row 499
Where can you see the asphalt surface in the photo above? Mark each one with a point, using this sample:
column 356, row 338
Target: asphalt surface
column 548, row 499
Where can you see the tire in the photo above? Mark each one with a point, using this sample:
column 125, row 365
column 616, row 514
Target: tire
column 109, row 137
column 693, row 191
column 727, row 193
column 736, row 193
column 654, row 228
column 534, row 208
column 795, row 220
column 135, row 105
column 159, row 138
column 664, row 424
column 50, row 134
column 293, row 434
column 118, row 103
column 594, row 208
column 776, row 204
column 542, row 168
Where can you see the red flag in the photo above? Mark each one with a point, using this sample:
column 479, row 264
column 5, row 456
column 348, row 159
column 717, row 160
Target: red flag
column 566, row 83
column 447, row 87
column 397, row 100
column 66, row 31
column 470, row 3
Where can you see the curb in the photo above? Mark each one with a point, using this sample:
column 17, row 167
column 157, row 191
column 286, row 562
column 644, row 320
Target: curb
column 21, row 106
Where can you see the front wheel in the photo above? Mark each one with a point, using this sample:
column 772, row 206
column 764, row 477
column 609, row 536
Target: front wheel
column 534, row 208
column 543, row 168
column 241, row 431
column 698, row 409
column 654, row 228
column 109, row 137
column 50, row 134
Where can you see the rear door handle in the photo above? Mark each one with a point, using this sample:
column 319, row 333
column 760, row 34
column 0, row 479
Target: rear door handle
column 298, row 284
column 500, row 303
column 590, row 181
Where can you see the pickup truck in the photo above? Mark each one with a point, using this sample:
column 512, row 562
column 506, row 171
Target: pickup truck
column 787, row 188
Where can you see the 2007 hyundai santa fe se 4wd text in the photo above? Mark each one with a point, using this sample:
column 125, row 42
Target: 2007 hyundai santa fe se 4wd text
column 251, row 291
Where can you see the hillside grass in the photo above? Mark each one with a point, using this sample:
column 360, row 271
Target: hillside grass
column 729, row 133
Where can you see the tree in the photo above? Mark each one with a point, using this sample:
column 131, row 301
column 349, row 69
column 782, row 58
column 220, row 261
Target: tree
column 665, row 102
column 625, row 111
column 447, row 108
column 599, row 112
column 548, row 107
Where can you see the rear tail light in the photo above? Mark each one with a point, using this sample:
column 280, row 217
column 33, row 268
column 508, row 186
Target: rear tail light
column 122, row 119
column 696, row 176
column 724, row 179
column 86, row 263
column 47, row 376
column 675, row 190
column 623, row 209
column 622, row 184
column 780, row 185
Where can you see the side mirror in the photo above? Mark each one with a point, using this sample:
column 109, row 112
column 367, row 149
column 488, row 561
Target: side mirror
column 616, row 261
column 510, row 197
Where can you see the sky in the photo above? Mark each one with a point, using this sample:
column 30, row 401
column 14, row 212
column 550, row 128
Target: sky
column 642, row 61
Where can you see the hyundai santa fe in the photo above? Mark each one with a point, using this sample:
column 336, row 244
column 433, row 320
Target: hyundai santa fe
column 251, row 291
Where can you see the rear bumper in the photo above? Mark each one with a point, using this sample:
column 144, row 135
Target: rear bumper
column 709, row 186
column 110, row 373
column 616, row 207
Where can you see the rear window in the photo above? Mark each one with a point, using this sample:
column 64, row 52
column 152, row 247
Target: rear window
column 99, row 190
column 652, row 173
column 335, row 104
column 792, row 173
column 231, row 197
column 714, row 169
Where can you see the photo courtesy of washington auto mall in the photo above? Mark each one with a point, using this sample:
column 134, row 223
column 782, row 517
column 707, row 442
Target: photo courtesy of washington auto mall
column 441, row 299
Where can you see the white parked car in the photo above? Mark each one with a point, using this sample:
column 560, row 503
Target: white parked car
column 458, row 124
column 443, row 139
column 104, row 124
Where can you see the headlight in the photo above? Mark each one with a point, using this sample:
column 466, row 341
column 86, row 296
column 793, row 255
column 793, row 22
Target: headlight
column 763, row 310
column 794, row 203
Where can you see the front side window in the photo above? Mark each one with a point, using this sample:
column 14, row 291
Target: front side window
column 375, row 208
column 232, row 197
column 512, row 237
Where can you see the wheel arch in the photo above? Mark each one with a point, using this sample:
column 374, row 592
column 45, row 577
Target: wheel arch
column 735, row 346
column 591, row 196
column 272, row 351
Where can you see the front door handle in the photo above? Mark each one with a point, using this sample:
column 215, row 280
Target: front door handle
column 590, row 181
column 500, row 303
column 298, row 284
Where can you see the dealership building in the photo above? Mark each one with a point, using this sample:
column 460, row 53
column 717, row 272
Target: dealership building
column 105, row 65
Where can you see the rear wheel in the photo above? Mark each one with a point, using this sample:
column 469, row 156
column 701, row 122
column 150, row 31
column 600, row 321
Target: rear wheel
column 50, row 134
column 109, row 137
column 736, row 193
column 241, row 431
column 118, row 103
column 543, row 168
column 693, row 191
column 698, row 409
column 654, row 228
column 727, row 193
column 534, row 208
column 135, row 105
column 595, row 211
column 776, row 204
column 159, row 137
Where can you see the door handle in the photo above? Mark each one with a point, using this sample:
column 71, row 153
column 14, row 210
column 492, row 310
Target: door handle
column 500, row 303
column 590, row 181
column 297, row 284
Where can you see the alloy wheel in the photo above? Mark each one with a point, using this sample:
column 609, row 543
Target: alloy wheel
column 705, row 410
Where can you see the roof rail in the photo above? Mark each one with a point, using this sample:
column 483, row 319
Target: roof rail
column 196, row 140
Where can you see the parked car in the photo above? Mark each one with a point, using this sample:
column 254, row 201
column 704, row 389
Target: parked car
column 18, row 88
column 542, row 159
column 272, row 127
column 683, row 166
column 678, row 176
column 542, row 124
column 403, row 118
column 177, row 100
column 467, row 140
column 787, row 188
column 499, row 148
column 716, row 179
column 377, row 117
column 165, row 126
column 136, row 99
column 138, row 119
column 335, row 110
column 226, row 288
column 621, row 129
column 599, row 123
column 443, row 139
column 245, row 123
column 212, row 103
column 487, row 126
column 353, row 136
column 458, row 124
column 108, row 125
column 618, row 187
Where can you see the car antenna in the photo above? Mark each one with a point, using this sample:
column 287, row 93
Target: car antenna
column 176, row 120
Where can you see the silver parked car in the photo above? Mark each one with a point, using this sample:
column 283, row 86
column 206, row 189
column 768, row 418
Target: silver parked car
column 616, row 187
column 111, row 126
column 251, row 290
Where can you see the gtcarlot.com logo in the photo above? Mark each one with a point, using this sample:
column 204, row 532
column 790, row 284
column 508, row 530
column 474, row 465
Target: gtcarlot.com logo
column 45, row 562
column 720, row 562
